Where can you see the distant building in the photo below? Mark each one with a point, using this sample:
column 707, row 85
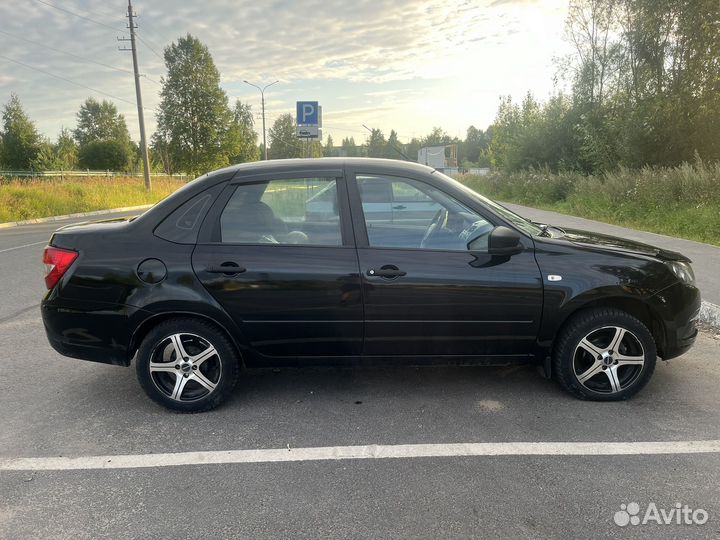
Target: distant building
column 439, row 157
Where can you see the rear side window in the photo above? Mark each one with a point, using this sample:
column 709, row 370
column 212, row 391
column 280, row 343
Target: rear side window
column 183, row 224
column 294, row 211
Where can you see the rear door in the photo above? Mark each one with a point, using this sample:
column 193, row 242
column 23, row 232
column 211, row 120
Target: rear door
column 276, row 252
column 425, row 293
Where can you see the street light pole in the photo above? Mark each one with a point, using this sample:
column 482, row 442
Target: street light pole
column 262, row 101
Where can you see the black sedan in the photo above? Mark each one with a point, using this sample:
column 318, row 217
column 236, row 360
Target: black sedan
column 357, row 260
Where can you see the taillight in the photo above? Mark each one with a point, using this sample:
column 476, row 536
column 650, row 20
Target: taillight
column 57, row 261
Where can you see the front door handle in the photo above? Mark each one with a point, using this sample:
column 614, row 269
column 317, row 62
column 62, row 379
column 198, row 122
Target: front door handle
column 399, row 207
column 227, row 268
column 388, row 271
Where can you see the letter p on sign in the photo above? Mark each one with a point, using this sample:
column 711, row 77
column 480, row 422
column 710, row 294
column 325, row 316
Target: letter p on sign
column 307, row 113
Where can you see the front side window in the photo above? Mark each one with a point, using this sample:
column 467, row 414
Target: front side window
column 406, row 213
column 294, row 211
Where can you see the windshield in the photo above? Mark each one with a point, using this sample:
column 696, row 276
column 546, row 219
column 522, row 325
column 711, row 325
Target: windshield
column 523, row 224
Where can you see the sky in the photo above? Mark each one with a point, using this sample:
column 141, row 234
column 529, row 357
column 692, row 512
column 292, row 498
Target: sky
column 408, row 65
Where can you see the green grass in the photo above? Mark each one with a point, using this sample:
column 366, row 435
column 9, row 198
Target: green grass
column 683, row 201
column 29, row 199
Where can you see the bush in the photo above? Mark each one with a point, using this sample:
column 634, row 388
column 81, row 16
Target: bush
column 106, row 155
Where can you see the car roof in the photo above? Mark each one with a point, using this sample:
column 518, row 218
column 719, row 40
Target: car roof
column 280, row 165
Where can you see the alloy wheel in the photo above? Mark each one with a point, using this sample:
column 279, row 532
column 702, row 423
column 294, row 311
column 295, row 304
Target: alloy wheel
column 185, row 367
column 608, row 360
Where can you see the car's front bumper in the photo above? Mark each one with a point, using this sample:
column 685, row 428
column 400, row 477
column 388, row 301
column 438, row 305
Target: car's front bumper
column 678, row 307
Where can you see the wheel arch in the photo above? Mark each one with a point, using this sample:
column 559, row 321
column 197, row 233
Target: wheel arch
column 634, row 306
column 144, row 328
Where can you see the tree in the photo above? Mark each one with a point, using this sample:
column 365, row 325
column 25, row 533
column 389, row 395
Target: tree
column 66, row 151
column 242, row 138
column 45, row 158
column 20, row 139
column 61, row 156
column 100, row 121
column 330, row 150
column 376, row 144
column 473, row 144
column 436, row 137
column 646, row 81
column 393, row 148
column 106, row 155
column 160, row 154
column 412, row 148
column 349, row 148
column 102, row 136
column 507, row 126
column 589, row 29
column 194, row 118
column 283, row 143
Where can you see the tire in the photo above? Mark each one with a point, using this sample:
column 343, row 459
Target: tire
column 187, row 365
column 586, row 364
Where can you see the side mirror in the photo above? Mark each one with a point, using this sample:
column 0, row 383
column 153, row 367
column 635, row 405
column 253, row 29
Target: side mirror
column 504, row 241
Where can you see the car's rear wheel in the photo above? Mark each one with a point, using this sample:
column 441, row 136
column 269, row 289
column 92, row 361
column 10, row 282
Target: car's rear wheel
column 187, row 365
column 604, row 354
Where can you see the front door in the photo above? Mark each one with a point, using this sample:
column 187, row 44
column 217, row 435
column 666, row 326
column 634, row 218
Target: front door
column 425, row 293
column 280, row 260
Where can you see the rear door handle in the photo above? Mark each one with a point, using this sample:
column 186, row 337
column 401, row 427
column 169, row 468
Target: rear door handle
column 399, row 207
column 388, row 271
column 227, row 268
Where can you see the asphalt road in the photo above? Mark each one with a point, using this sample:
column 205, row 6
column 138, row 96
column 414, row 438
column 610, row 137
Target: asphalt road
column 53, row 406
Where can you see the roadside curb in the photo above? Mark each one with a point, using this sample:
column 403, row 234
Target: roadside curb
column 710, row 315
column 50, row 219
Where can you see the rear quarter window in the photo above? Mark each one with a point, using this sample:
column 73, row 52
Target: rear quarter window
column 183, row 224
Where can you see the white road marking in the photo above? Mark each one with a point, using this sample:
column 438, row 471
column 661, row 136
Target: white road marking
column 330, row 453
column 24, row 246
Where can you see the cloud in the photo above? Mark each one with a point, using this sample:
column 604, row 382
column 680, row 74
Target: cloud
column 386, row 51
column 6, row 80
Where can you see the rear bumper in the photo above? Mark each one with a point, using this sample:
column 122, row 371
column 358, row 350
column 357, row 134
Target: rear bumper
column 98, row 332
column 679, row 307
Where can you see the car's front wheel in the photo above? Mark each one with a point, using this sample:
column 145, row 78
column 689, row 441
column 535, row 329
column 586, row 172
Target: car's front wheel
column 604, row 354
column 187, row 365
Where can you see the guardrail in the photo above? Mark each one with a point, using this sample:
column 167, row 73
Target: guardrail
column 84, row 172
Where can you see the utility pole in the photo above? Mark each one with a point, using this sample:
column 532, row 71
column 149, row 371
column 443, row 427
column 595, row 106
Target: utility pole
column 138, row 94
column 262, row 100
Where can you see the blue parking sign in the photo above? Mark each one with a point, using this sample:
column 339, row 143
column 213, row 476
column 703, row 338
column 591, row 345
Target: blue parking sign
column 308, row 113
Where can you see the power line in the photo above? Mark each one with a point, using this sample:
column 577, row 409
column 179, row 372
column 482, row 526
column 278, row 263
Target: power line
column 68, row 80
column 82, row 58
column 100, row 23
column 149, row 79
column 78, row 57
column 95, row 21
column 137, row 35
column 105, row 13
